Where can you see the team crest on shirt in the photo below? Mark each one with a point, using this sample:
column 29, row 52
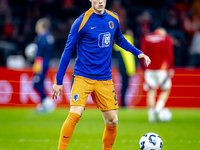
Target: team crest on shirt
column 111, row 24
column 75, row 97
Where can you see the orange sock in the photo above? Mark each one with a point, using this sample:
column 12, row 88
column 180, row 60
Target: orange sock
column 68, row 129
column 109, row 135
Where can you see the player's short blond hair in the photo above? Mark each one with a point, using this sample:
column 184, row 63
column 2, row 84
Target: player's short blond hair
column 161, row 30
column 44, row 22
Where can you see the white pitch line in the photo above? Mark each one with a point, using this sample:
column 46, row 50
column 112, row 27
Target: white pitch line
column 123, row 141
column 34, row 140
column 164, row 141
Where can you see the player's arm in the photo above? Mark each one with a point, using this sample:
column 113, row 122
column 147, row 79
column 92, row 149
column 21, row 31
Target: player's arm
column 70, row 46
column 123, row 43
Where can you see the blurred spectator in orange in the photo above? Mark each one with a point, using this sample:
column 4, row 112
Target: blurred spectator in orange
column 196, row 8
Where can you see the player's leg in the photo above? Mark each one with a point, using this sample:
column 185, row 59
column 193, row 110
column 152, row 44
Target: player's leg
column 165, row 83
column 151, row 87
column 105, row 99
column 162, row 99
column 151, row 98
column 81, row 87
column 46, row 105
column 110, row 131
column 38, row 81
column 69, row 125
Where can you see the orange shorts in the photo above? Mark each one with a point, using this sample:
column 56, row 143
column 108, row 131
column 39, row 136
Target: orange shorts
column 102, row 93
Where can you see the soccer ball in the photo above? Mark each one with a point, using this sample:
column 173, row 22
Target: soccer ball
column 150, row 141
column 47, row 106
column 30, row 51
column 165, row 115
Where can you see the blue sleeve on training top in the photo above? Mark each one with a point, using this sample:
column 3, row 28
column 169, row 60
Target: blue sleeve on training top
column 70, row 46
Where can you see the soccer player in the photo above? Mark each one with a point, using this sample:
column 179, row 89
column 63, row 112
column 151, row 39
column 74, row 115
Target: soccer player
column 44, row 43
column 158, row 46
column 92, row 33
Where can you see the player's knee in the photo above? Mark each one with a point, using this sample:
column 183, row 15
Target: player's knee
column 166, row 90
column 112, row 122
column 77, row 109
column 115, row 122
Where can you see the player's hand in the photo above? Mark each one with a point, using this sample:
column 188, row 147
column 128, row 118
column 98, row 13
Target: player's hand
column 147, row 59
column 38, row 65
column 56, row 89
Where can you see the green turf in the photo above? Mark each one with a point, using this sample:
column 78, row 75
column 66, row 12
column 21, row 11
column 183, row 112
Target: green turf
column 24, row 129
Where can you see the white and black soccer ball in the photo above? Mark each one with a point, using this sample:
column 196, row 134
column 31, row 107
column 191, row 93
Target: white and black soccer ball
column 150, row 141
column 165, row 115
column 47, row 106
column 31, row 50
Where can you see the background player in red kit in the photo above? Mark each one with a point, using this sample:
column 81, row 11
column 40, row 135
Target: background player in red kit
column 158, row 46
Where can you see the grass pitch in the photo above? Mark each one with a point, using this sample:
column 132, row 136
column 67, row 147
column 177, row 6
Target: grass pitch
column 24, row 129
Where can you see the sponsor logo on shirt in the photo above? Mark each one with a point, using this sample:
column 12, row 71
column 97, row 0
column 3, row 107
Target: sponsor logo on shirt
column 104, row 39
column 155, row 38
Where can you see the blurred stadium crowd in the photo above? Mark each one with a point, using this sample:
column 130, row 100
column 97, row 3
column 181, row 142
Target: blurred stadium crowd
column 181, row 19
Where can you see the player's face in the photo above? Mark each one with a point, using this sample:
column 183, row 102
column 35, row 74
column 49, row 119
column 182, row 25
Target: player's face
column 98, row 6
column 38, row 28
